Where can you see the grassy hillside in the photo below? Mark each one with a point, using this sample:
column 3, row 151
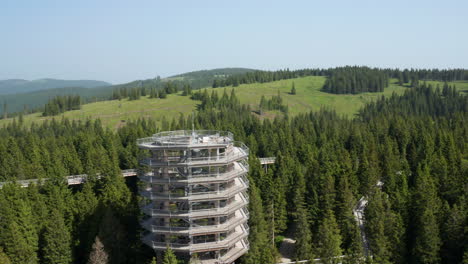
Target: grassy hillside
column 45, row 87
column 308, row 98
column 115, row 113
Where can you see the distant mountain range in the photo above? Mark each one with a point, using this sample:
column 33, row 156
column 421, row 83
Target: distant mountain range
column 20, row 94
column 15, row 86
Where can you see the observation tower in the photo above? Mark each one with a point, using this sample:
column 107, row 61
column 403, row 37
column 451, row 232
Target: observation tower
column 195, row 194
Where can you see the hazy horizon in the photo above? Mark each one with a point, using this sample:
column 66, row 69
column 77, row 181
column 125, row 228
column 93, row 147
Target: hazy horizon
column 118, row 41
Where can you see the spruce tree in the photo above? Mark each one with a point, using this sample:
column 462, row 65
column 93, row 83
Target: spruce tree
column 56, row 241
column 169, row 257
column 293, row 89
column 303, row 236
column 261, row 248
column 98, row 253
column 114, row 237
column 426, row 248
column 329, row 240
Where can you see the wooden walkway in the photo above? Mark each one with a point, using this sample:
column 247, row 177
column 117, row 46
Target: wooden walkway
column 80, row 179
column 266, row 161
column 72, row 179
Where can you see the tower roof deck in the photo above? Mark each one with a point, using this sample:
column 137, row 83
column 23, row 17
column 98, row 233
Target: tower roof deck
column 187, row 139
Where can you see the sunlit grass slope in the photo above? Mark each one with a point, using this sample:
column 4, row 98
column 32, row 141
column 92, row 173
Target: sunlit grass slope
column 308, row 98
column 116, row 113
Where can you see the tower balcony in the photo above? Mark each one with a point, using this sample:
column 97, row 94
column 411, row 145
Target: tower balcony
column 240, row 217
column 238, row 169
column 241, row 232
column 236, row 153
column 241, row 200
column 240, row 184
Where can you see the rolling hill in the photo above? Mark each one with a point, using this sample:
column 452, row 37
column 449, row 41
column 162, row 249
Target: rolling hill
column 15, row 86
column 309, row 97
column 103, row 91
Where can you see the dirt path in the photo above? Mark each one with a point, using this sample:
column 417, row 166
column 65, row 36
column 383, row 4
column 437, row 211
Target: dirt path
column 287, row 249
column 358, row 212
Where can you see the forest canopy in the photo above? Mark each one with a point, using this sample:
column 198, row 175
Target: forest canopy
column 415, row 143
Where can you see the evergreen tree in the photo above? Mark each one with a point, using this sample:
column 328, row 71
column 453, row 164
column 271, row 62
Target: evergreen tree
column 293, row 89
column 162, row 94
column 329, row 240
column 98, row 253
column 4, row 259
column 427, row 241
column 169, row 257
column 261, row 248
column 56, row 242
column 303, row 236
column 453, row 233
column 113, row 236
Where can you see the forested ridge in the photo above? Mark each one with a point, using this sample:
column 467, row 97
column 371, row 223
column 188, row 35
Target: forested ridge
column 349, row 79
column 416, row 144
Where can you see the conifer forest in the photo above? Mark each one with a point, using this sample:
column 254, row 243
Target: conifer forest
column 415, row 144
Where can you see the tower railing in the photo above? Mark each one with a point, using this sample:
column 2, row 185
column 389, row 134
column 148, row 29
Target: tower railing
column 235, row 154
column 187, row 137
column 237, row 187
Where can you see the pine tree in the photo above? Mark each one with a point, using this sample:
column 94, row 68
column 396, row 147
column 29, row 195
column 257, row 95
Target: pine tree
column 169, row 257
column 19, row 234
column 376, row 227
column 17, row 245
column 4, row 259
column 98, row 253
column 261, row 250
column 56, row 242
column 453, row 233
column 293, row 89
column 86, row 226
column 113, row 236
column 329, row 240
column 303, row 236
column 427, row 242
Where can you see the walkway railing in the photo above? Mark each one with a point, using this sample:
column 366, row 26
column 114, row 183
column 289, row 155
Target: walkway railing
column 71, row 180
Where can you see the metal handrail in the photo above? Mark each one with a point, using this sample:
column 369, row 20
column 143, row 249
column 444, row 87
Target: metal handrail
column 235, row 188
column 233, row 222
column 180, row 161
column 244, row 168
column 233, row 206
column 172, row 138
column 230, row 239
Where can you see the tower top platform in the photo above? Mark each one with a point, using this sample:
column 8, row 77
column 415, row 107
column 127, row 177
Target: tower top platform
column 187, row 139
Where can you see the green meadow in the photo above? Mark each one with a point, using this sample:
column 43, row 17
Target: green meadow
column 114, row 114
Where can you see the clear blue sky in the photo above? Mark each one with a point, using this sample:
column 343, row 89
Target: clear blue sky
column 120, row 41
